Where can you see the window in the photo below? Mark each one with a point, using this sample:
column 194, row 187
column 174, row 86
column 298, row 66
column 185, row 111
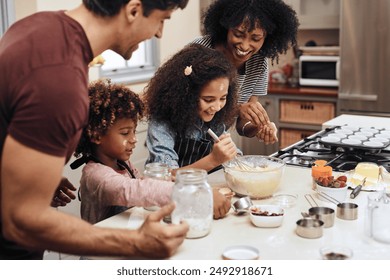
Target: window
column 7, row 15
column 139, row 68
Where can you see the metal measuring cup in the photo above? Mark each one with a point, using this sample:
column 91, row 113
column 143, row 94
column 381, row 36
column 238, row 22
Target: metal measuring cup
column 242, row 205
column 324, row 214
column 345, row 210
column 309, row 228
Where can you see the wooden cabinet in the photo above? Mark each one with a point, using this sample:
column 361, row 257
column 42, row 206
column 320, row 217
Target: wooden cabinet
column 301, row 116
column 306, row 111
column 317, row 14
column 290, row 136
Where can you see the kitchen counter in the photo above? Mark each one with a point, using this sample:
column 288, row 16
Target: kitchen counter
column 280, row 243
column 300, row 90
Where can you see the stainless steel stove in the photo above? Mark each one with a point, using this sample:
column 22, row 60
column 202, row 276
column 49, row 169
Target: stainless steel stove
column 340, row 157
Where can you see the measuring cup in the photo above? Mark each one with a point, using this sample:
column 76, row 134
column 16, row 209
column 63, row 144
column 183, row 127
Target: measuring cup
column 309, row 228
column 242, row 205
column 378, row 217
column 345, row 210
column 324, row 214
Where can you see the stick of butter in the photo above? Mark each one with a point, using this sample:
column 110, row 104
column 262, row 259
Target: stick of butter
column 367, row 170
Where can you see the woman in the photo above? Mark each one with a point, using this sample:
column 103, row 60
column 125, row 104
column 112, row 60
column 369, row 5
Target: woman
column 249, row 32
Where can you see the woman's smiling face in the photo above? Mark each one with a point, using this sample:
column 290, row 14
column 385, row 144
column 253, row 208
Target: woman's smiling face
column 242, row 44
column 213, row 98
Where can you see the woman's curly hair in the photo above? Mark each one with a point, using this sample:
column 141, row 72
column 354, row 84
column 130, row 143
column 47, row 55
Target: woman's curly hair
column 279, row 21
column 173, row 97
column 108, row 103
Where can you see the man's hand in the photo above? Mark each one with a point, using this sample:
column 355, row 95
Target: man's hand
column 63, row 194
column 159, row 240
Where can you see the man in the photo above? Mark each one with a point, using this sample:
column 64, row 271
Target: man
column 43, row 108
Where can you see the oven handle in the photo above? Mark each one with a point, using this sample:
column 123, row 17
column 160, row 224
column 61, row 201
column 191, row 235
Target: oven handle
column 365, row 97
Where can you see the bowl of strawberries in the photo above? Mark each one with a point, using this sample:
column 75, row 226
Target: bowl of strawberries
column 335, row 187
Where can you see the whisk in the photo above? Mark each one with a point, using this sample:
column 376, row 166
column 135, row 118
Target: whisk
column 243, row 165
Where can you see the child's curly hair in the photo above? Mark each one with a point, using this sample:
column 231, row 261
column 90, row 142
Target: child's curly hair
column 274, row 16
column 173, row 94
column 108, row 103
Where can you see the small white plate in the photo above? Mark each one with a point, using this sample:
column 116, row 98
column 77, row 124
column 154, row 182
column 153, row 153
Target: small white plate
column 240, row 252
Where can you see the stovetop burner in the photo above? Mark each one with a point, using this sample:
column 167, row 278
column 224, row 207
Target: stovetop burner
column 340, row 158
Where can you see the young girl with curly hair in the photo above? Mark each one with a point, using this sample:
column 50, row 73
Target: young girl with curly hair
column 110, row 183
column 249, row 33
column 193, row 91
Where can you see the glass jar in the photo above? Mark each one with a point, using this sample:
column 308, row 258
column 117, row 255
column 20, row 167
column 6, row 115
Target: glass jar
column 194, row 201
column 377, row 222
column 158, row 171
column 320, row 169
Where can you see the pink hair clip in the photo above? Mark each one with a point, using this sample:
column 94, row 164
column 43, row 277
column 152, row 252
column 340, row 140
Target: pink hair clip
column 188, row 70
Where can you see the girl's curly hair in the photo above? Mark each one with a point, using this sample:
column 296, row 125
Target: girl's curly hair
column 279, row 21
column 172, row 95
column 108, row 103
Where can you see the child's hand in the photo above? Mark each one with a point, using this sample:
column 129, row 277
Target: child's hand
column 224, row 150
column 221, row 204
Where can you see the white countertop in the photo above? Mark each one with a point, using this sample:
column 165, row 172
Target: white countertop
column 360, row 121
column 280, row 243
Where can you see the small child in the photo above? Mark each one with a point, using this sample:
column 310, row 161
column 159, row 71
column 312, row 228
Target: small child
column 110, row 183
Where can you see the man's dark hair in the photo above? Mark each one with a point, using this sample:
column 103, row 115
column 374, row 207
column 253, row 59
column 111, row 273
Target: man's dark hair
column 108, row 8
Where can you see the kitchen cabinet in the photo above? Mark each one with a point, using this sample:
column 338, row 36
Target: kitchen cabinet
column 317, row 14
column 301, row 116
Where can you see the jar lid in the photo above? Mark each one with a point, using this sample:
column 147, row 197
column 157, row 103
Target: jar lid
column 320, row 162
column 320, row 169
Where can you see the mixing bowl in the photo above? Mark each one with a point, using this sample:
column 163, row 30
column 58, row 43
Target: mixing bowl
column 260, row 182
